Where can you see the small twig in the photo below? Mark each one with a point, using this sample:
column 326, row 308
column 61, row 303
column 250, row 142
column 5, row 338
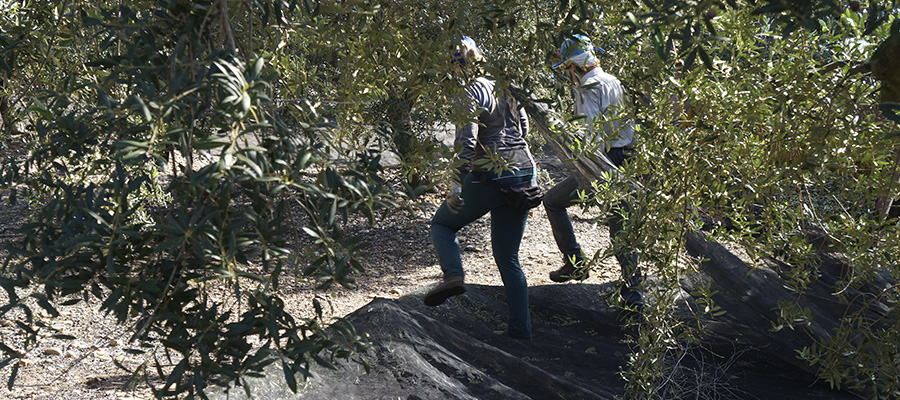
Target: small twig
column 886, row 202
column 158, row 305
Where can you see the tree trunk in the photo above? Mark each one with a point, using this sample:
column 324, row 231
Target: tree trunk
column 397, row 110
column 885, row 65
column 4, row 105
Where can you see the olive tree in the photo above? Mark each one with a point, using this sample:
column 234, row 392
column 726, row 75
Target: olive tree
column 173, row 149
column 163, row 170
column 755, row 124
column 171, row 144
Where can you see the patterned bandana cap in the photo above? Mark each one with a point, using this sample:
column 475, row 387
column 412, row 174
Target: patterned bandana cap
column 466, row 43
column 578, row 50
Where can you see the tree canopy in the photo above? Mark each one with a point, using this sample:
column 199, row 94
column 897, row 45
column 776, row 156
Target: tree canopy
column 165, row 145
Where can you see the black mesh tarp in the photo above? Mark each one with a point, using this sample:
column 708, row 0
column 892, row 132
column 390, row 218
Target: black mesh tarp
column 580, row 346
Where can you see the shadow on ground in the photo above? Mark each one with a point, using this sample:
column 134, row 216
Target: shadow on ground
column 579, row 347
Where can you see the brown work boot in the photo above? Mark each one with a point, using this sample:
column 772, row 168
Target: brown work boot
column 578, row 271
column 451, row 286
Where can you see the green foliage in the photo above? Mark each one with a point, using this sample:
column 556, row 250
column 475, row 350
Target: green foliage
column 769, row 135
column 165, row 181
column 172, row 147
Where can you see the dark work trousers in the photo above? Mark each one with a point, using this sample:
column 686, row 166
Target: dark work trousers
column 565, row 194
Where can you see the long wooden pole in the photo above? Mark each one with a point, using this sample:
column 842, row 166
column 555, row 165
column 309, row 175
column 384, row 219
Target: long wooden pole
column 585, row 167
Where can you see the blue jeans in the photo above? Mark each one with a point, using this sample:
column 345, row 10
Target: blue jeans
column 565, row 194
column 507, row 228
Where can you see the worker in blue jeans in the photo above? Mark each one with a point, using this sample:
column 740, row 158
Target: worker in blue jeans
column 500, row 129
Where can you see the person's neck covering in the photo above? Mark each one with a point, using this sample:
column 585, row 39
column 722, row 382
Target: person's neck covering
column 584, row 59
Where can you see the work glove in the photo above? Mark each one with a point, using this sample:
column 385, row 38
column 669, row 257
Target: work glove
column 454, row 200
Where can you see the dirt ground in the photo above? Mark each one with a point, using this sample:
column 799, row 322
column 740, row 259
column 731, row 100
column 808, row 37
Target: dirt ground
column 400, row 260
